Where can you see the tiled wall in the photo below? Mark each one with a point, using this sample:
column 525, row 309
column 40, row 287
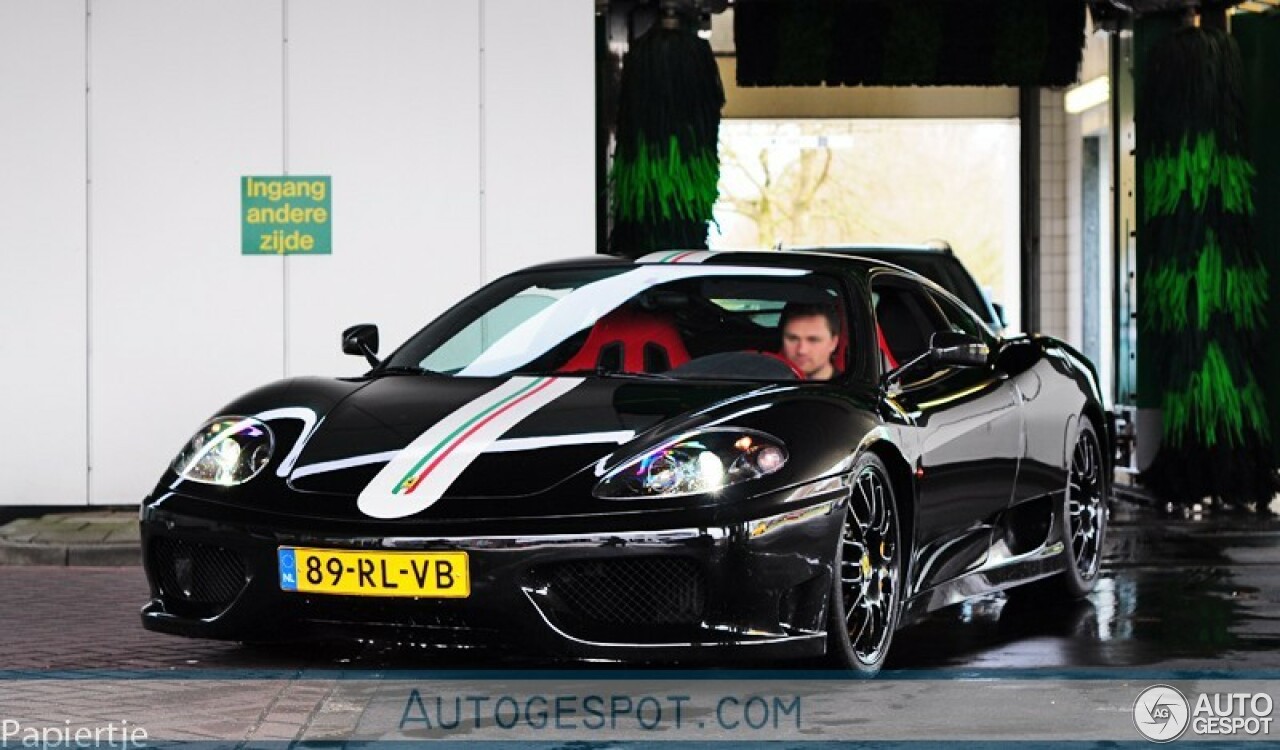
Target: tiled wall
column 1062, row 280
column 1056, row 264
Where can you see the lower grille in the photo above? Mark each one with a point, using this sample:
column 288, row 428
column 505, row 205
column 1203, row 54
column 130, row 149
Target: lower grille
column 638, row 590
column 205, row 576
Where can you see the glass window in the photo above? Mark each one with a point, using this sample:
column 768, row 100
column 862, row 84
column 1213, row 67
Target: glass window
column 818, row 181
column 947, row 273
column 482, row 333
column 678, row 321
column 907, row 318
column 963, row 319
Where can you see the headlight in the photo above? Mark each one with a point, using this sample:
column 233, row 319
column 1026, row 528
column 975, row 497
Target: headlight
column 693, row 464
column 226, row 451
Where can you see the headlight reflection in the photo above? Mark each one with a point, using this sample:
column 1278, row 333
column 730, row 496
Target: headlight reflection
column 704, row 462
column 226, row 451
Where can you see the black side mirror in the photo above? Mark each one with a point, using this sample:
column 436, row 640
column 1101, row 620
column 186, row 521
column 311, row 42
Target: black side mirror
column 362, row 340
column 1017, row 355
column 947, row 348
column 958, row 349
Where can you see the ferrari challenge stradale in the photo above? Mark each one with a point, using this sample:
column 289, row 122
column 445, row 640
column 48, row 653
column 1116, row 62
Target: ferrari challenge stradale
column 693, row 455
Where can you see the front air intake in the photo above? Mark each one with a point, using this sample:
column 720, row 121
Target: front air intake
column 201, row 578
column 634, row 591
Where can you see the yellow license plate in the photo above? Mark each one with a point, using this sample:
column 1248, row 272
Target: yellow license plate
column 369, row 573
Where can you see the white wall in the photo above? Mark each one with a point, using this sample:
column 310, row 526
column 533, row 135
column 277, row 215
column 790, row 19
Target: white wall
column 459, row 135
column 400, row 135
column 184, row 97
column 43, row 441
column 539, row 183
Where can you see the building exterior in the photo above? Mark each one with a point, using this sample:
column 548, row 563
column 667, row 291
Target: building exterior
column 458, row 136
column 459, row 139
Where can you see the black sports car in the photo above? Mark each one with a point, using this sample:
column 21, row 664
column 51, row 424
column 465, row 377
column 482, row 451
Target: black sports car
column 611, row 459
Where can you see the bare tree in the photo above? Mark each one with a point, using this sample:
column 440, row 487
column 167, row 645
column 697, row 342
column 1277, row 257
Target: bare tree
column 841, row 182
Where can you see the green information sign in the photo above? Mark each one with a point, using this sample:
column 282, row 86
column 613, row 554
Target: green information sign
column 285, row 215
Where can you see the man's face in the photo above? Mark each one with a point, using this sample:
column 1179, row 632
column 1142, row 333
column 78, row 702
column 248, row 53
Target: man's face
column 808, row 342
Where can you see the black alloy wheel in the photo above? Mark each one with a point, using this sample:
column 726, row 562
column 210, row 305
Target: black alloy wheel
column 866, row 591
column 1085, row 519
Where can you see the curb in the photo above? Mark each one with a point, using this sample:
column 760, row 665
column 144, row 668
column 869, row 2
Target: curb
column 96, row 555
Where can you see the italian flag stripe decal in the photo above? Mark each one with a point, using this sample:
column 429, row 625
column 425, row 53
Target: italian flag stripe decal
column 423, row 471
column 413, row 478
column 676, row 256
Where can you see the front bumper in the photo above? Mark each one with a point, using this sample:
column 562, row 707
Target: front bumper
column 758, row 588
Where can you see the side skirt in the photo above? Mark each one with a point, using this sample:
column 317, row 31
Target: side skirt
column 1004, row 568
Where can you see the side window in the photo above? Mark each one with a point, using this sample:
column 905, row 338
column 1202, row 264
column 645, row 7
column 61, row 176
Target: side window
column 907, row 318
column 962, row 319
column 965, row 288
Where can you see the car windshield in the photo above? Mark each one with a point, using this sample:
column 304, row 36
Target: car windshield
column 663, row 321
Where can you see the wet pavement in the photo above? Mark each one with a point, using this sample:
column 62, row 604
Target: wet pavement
column 1177, row 593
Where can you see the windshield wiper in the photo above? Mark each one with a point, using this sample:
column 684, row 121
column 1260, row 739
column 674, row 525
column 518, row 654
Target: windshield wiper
column 603, row 372
column 404, row 370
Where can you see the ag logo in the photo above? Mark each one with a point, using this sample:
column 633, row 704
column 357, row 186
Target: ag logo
column 1161, row 713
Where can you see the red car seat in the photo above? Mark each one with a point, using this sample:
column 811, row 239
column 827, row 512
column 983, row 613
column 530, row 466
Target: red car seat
column 841, row 355
column 629, row 340
column 889, row 359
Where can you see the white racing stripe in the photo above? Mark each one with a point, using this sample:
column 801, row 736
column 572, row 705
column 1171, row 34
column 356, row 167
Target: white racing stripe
column 676, row 256
column 343, row 463
column 420, row 474
column 511, row 445
column 508, row 445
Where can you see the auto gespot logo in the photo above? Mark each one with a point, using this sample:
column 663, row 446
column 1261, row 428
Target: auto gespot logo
column 1163, row 714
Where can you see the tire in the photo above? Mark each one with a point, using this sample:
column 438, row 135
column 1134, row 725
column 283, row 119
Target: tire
column 1084, row 525
column 1084, row 514
column 866, row 586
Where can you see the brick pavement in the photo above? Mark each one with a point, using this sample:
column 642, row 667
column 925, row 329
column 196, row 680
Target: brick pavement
column 69, row 618
column 1176, row 595
column 80, row 618
column 60, row 618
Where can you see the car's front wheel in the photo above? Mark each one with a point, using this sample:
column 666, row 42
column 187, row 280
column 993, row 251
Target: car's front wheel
column 866, row 590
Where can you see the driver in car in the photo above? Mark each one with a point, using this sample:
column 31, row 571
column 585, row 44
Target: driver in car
column 810, row 335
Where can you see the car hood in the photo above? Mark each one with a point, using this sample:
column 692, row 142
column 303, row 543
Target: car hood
column 485, row 438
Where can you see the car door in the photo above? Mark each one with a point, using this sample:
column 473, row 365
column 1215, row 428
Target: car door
column 969, row 431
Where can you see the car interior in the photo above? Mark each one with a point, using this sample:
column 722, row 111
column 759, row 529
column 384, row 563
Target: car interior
column 650, row 335
column 700, row 327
